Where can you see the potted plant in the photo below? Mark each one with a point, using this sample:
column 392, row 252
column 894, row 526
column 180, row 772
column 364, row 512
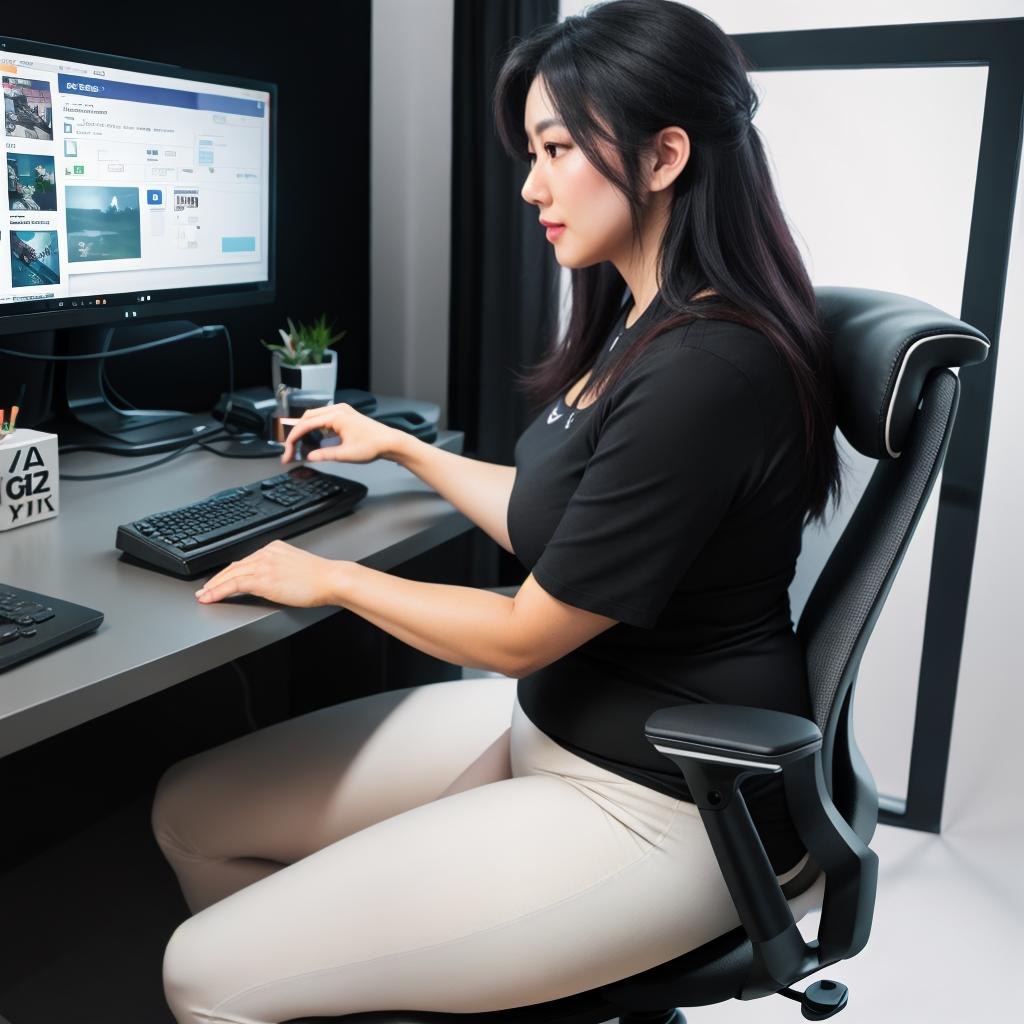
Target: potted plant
column 305, row 361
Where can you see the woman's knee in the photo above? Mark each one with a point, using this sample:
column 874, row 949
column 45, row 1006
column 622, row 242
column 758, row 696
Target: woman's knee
column 187, row 978
column 171, row 802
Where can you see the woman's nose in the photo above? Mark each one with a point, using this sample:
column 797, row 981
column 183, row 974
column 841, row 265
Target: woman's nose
column 531, row 191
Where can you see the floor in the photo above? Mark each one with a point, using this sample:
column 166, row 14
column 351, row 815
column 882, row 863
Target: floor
column 85, row 923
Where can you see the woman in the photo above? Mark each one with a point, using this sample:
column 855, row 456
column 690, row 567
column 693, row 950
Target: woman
column 495, row 842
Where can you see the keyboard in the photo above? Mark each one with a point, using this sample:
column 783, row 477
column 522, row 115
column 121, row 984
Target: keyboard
column 207, row 534
column 32, row 623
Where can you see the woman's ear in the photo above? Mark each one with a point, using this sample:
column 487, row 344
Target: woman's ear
column 669, row 154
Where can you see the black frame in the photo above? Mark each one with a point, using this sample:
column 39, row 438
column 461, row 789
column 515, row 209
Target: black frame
column 166, row 301
column 997, row 43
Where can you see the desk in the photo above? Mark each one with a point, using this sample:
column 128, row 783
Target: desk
column 155, row 634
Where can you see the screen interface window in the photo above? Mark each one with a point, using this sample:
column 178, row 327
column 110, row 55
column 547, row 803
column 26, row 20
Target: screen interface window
column 121, row 182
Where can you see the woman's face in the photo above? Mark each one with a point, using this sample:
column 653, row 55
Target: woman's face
column 567, row 189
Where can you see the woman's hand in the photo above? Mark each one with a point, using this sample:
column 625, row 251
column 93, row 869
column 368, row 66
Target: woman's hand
column 278, row 572
column 361, row 438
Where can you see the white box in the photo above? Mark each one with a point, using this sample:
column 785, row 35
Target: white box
column 29, row 479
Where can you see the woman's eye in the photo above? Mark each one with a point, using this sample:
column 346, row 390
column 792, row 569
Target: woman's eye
column 552, row 145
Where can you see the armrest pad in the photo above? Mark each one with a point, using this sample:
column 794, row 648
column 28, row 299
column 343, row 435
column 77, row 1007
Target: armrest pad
column 732, row 730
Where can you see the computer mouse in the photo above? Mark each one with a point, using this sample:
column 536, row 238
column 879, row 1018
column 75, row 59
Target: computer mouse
column 315, row 439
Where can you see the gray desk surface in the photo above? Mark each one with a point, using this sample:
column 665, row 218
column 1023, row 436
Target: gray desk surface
column 155, row 633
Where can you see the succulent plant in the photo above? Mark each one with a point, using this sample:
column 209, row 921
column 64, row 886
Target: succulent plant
column 306, row 343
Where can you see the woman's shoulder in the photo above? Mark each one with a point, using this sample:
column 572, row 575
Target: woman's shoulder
column 718, row 363
column 746, row 349
column 710, row 348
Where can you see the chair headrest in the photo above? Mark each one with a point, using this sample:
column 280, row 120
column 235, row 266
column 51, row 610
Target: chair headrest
column 884, row 345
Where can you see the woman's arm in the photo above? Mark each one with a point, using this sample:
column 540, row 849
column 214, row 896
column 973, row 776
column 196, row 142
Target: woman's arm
column 479, row 490
column 476, row 628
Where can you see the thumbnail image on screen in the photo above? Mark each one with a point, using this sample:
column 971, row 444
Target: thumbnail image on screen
column 103, row 223
column 31, row 182
column 28, row 108
column 34, row 259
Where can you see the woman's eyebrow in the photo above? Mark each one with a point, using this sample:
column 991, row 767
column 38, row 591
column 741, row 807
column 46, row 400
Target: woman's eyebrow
column 548, row 123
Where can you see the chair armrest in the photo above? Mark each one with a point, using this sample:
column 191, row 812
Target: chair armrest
column 717, row 747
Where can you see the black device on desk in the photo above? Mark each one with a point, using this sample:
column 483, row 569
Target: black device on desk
column 253, row 409
column 231, row 524
column 32, row 623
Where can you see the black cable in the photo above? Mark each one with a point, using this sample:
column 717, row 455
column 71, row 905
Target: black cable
column 224, row 433
column 272, row 454
column 220, row 435
column 207, row 331
column 107, row 385
column 129, row 453
column 231, row 373
column 135, row 469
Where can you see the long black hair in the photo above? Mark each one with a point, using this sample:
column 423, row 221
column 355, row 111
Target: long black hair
column 619, row 73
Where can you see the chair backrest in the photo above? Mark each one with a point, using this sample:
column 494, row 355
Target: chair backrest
column 896, row 399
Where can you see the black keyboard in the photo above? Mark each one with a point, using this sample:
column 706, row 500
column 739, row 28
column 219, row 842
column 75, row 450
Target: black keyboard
column 32, row 623
column 231, row 524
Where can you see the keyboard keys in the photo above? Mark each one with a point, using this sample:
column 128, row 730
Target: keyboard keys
column 236, row 521
column 33, row 623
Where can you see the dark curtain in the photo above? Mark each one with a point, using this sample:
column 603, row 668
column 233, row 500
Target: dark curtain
column 504, row 277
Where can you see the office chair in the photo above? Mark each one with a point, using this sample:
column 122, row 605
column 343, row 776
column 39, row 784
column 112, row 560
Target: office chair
column 897, row 400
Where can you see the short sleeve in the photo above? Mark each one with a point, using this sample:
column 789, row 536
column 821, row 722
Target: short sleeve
column 680, row 443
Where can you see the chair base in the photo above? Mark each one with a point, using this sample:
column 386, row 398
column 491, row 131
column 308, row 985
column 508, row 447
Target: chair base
column 674, row 1016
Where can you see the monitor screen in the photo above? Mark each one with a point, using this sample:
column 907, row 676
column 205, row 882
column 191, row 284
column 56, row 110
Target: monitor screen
column 132, row 189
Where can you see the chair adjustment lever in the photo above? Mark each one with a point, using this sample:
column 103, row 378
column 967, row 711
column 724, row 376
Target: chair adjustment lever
column 821, row 1000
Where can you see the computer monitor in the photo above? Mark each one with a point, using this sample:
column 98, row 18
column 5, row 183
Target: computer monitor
column 134, row 190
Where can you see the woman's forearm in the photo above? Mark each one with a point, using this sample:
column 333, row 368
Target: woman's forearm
column 463, row 625
column 479, row 490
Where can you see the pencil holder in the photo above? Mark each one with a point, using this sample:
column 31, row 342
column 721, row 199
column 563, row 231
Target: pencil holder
column 29, row 489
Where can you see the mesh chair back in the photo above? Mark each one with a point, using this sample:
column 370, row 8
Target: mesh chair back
column 851, row 590
column 896, row 402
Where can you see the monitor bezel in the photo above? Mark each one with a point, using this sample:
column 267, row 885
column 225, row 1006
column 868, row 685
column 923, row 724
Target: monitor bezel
column 198, row 299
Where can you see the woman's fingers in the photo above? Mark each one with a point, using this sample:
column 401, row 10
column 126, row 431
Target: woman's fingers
column 278, row 572
column 243, row 564
column 227, row 586
column 304, row 426
column 326, row 417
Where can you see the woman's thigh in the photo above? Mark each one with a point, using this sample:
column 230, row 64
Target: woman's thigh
column 285, row 791
column 556, row 880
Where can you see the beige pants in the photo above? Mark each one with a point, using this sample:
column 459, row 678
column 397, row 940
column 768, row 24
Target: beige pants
column 414, row 850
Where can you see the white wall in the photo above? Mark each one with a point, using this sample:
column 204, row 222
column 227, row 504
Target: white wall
column 410, row 198
column 901, row 226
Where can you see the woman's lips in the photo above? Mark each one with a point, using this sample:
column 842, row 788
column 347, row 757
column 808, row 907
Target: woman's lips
column 554, row 232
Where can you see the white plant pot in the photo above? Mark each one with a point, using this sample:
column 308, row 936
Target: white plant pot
column 308, row 380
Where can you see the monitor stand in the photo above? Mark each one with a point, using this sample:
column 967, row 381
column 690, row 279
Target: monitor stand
column 131, row 431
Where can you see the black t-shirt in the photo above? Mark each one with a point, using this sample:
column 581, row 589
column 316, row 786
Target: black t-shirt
column 673, row 505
